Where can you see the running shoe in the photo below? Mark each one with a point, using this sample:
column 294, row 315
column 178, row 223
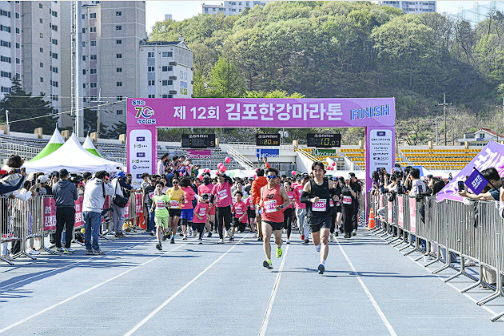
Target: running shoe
column 231, row 238
column 317, row 247
column 152, row 233
column 159, row 247
column 321, row 269
column 306, row 241
column 267, row 264
column 354, row 232
column 209, row 235
column 200, row 241
column 69, row 250
column 288, row 241
column 185, row 238
column 259, row 239
column 279, row 252
column 89, row 252
column 60, row 249
column 99, row 252
column 164, row 237
column 221, row 241
column 255, row 235
column 172, row 241
column 168, row 235
column 32, row 252
column 331, row 238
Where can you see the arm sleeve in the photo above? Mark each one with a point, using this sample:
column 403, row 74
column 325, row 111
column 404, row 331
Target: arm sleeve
column 305, row 197
column 7, row 188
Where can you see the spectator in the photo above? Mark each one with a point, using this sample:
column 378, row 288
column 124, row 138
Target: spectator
column 121, row 188
column 160, row 168
column 417, row 186
column 94, row 196
column 65, row 194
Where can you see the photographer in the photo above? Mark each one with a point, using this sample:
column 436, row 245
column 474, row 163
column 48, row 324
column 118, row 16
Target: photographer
column 65, row 195
column 94, row 196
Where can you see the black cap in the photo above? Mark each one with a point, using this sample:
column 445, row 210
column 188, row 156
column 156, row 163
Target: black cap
column 63, row 172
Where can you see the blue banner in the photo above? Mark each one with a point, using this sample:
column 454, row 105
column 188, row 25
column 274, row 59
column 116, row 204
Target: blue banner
column 267, row 153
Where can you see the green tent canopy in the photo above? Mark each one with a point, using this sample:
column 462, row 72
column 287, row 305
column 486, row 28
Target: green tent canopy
column 88, row 145
column 54, row 143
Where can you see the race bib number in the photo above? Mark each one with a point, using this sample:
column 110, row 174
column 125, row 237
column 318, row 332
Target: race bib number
column 269, row 206
column 320, row 205
column 331, row 203
column 222, row 194
column 174, row 204
column 160, row 205
column 239, row 211
column 202, row 212
column 291, row 198
column 347, row 200
column 151, row 194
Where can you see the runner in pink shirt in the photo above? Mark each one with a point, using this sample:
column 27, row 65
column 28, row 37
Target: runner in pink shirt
column 201, row 216
column 187, row 212
column 222, row 199
column 206, row 188
column 239, row 211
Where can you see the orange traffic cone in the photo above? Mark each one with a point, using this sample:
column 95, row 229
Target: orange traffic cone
column 371, row 221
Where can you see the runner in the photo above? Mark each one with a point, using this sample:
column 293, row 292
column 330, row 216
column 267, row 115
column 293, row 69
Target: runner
column 304, row 229
column 206, row 188
column 336, row 211
column 200, row 216
column 288, row 211
column 239, row 211
column 347, row 195
column 176, row 198
column 274, row 199
column 317, row 195
column 258, row 183
column 222, row 198
column 160, row 202
column 187, row 212
column 251, row 215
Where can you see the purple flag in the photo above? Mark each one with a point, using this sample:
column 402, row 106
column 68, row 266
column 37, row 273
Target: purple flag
column 476, row 182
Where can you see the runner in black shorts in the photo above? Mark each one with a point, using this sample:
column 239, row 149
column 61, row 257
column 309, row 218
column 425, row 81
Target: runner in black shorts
column 317, row 195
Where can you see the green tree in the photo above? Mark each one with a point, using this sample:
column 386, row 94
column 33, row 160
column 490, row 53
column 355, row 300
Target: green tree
column 26, row 112
column 113, row 132
column 226, row 81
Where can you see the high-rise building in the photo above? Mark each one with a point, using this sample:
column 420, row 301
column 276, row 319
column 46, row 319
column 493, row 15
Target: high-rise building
column 10, row 44
column 230, row 7
column 479, row 12
column 111, row 32
column 412, row 7
column 166, row 69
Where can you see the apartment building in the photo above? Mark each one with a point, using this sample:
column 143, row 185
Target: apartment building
column 412, row 7
column 230, row 7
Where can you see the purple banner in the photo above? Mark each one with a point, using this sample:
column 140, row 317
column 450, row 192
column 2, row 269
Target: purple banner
column 492, row 155
column 199, row 154
column 260, row 112
column 476, row 182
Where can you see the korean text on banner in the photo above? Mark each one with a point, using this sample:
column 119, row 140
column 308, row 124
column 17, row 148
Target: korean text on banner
column 49, row 214
column 79, row 220
column 476, row 182
column 412, row 205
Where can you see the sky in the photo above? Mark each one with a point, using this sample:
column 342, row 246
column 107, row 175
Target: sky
column 181, row 10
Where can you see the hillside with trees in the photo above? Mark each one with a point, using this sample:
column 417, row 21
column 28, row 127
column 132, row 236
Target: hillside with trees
column 353, row 49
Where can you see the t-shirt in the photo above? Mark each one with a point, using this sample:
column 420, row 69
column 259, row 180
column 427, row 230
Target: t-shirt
column 270, row 198
column 414, row 187
column 495, row 193
column 175, row 197
column 161, row 202
column 188, row 197
column 222, row 193
column 149, row 191
column 299, row 190
column 202, row 210
column 240, row 208
column 292, row 197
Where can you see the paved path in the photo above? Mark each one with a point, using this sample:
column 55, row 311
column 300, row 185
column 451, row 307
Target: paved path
column 369, row 288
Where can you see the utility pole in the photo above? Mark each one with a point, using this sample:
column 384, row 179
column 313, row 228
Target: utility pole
column 444, row 104
column 436, row 120
column 98, row 112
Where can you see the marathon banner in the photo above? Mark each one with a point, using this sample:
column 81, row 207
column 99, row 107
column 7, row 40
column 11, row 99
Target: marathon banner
column 199, row 154
column 49, row 214
column 476, row 182
column 138, row 204
column 412, row 212
column 492, row 155
column 79, row 219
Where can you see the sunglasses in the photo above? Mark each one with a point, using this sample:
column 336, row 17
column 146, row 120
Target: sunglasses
column 272, row 176
column 175, row 182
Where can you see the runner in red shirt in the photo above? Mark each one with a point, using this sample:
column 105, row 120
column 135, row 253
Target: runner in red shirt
column 239, row 210
column 274, row 199
column 206, row 188
column 222, row 198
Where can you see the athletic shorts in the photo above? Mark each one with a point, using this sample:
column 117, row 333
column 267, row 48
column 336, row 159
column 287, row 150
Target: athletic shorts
column 237, row 223
column 251, row 213
column 317, row 223
column 174, row 212
column 161, row 222
column 187, row 214
column 274, row 225
column 338, row 209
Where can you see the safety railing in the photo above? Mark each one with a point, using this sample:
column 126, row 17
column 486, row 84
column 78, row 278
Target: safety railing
column 26, row 224
column 446, row 230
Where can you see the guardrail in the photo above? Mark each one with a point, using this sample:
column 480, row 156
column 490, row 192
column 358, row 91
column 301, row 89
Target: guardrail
column 472, row 232
column 240, row 158
column 36, row 219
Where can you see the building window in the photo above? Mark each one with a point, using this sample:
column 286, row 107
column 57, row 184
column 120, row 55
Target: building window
column 5, row 59
column 83, row 30
column 83, row 85
column 167, row 54
column 5, row 89
column 55, row 14
column 5, row 44
column 55, row 55
column 118, row 55
column 5, row 28
column 18, row 60
column 18, row 46
column 84, row 71
column 92, row 29
column 118, row 13
column 118, row 83
column 41, row 79
column 41, row 64
column 119, row 112
column 150, row 54
column 92, row 15
column 54, row 41
column 119, row 98
column 4, row 13
column 118, row 27
column 54, row 69
column 55, row 84
column 92, row 57
column 150, row 69
column 118, row 69
column 84, row 57
column 41, row 21
column 41, row 35
column 92, row 85
column 17, row 15
column 92, row 71
column 167, row 68
column 164, row 96
column 151, row 83
column 17, row 30
column 40, row 5
column 118, row 41
column 83, row 16
column 167, row 82
column 93, row 43
column 5, row 74
column 41, row 50
column 54, row 27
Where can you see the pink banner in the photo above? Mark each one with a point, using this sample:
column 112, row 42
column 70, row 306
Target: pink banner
column 127, row 210
column 412, row 205
column 199, row 154
column 79, row 220
column 49, row 214
column 389, row 211
column 400, row 217
column 138, row 204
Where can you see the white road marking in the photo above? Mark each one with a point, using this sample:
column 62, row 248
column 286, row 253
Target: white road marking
column 265, row 321
column 171, row 298
column 368, row 293
column 83, row 292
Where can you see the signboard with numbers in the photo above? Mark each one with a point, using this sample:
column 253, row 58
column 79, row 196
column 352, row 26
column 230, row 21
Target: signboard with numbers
column 323, row 140
column 198, row 140
column 268, row 139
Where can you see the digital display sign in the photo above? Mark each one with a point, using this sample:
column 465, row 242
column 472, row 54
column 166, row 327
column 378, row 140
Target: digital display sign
column 268, row 139
column 198, row 140
column 323, row 140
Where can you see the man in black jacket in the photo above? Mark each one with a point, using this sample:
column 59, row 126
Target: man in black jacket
column 65, row 195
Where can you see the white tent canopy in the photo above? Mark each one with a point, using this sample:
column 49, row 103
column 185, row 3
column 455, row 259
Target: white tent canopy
column 74, row 158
